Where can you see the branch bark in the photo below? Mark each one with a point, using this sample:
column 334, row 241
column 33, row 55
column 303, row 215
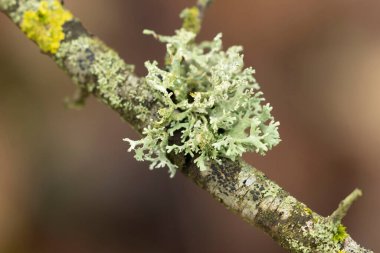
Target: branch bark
column 98, row 70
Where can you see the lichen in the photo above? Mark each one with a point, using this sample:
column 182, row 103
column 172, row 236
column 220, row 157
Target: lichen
column 325, row 235
column 286, row 207
column 340, row 233
column 191, row 19
column 308, row 210
column 5, row 4
column 209, row 101
column 44, row 25
column 105, row 66
column 98, row 69
column 110, row 72
column 77, row 56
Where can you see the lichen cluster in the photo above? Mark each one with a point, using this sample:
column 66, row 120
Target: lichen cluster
column 325, row 235
column 211, row 105
column 44, row 25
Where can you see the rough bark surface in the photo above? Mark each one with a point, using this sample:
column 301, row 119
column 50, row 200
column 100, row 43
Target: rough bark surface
column 98, row 70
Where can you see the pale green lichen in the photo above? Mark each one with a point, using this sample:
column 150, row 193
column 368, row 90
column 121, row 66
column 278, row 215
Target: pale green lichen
column 107, row 67
column 95, row 66
column 209, row 101
column 77, row 56
column 6, row 4
column 286, row 207
column 325, row 235
column 110, row 72
column 44, row 25
column 22, row 7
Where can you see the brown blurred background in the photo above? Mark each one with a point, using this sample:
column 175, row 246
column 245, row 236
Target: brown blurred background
column 68, row 184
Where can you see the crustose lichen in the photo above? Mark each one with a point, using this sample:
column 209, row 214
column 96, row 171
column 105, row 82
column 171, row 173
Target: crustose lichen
column 44, row 25
column 209, row 101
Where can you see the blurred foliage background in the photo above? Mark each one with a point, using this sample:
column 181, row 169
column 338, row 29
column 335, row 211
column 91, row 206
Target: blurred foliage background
column 68, row 184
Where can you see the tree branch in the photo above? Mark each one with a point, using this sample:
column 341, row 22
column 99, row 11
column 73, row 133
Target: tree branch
column 202, row 6
column 98, row 70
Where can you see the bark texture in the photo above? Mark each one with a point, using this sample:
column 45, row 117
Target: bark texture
column 98, row 70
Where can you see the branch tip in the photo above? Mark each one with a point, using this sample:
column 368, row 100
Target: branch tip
column 202, row 6
column 344, row 205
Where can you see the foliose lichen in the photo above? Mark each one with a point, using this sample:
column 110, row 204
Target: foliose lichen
column 44, row 25
column 209, row 101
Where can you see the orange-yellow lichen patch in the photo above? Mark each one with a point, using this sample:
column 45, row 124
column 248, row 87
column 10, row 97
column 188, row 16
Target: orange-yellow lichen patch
column 44, row 25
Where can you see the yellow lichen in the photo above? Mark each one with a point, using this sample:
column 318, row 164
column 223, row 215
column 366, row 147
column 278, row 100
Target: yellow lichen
column 191, row 19
column 340, row 234
column 308, row 210
column 44, row 25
